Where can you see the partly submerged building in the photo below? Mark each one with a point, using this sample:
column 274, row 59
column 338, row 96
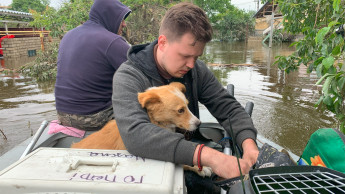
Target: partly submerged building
column 264, row 16
column 27, row 40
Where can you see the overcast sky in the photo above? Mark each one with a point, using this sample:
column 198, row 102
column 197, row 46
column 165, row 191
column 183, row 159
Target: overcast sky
column 53, row 3
column 242, row 4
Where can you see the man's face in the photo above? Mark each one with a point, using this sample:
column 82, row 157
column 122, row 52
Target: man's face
column 122, row 25
column 178, row 57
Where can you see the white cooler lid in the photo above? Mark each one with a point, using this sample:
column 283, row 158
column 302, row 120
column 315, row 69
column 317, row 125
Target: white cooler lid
column 52, row 170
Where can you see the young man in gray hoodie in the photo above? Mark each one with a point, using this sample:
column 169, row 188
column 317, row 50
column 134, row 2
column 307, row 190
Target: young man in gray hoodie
column 183, row 34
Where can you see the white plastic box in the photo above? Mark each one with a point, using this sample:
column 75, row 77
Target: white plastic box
column 64, row 170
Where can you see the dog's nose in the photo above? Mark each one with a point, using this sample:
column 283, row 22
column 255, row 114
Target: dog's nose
column 194, row 123
column 197, row 123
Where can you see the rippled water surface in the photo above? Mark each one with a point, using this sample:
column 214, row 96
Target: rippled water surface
column 24, row 104
column 284, row 109
column 283, row 104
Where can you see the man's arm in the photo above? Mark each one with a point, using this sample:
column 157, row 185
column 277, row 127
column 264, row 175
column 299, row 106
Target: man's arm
column 224, row 106
column 139, row 135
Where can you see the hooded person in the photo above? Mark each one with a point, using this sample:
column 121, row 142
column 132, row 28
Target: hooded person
column 88, row 57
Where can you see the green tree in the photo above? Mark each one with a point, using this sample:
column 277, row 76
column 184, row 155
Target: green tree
column 25, row 5
column 235, row 25
column 70, row 15
column 142, row 24
column 321, row 49
column 215, row 9
column 229, row 22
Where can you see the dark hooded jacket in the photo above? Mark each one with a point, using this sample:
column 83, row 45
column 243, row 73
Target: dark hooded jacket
column 145, row 139
column 88, row 57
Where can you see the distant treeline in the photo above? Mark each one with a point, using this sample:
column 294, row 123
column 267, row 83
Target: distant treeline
column 229, row 23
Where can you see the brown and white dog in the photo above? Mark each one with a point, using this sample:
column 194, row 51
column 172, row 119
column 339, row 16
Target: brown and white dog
column 166, row 106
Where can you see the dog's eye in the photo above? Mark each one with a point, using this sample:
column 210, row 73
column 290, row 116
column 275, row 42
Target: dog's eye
column 181, row 110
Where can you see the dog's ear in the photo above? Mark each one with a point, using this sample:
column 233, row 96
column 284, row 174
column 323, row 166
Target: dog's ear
column 148, row 98
column 179, row 86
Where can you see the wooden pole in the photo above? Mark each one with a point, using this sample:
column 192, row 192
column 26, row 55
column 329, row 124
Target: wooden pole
column 42, row 39
column 6, row 28
column 272, row 25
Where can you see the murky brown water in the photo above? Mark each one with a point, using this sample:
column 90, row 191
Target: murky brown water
column 24, row 104
column 283, row 104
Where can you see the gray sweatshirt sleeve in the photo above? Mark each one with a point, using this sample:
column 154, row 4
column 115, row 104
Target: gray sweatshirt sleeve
column 223, row 106
column 140, row 136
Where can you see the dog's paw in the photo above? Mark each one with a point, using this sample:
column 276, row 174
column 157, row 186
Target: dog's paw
column 206, row 171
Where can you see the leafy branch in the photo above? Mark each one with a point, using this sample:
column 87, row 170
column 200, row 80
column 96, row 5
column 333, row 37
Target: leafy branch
column 321, row 50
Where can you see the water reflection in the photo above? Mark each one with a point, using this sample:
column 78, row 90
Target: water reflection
column 283, row 104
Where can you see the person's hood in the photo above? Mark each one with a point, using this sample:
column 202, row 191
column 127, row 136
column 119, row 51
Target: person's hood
column 142, row 57
column 109, row 13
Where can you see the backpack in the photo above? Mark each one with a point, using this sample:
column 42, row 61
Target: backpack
column 326, row 147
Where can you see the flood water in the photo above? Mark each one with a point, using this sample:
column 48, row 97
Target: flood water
column 283, row 103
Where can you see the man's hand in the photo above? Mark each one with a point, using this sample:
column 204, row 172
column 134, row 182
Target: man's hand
column 250, row 151
column 227, row 167
column 223, row 165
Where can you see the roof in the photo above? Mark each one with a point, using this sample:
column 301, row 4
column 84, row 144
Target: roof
column 266, row 9
column 15, row 13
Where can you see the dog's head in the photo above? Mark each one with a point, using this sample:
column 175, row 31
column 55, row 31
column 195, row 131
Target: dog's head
column 167, row 107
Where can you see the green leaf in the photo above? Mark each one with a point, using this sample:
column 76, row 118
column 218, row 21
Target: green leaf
column 332, row 70
column 319, row 69
column 334, row 86
column 326, row 85
column 324, row 49
column 318, row 61
column 328, row 101
column 321, row 35
column 293, row 44
column 336, row 4
column 328, row 62
column 305, row 29
column 336, row 50
column 341, row 83
column 332, row 23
